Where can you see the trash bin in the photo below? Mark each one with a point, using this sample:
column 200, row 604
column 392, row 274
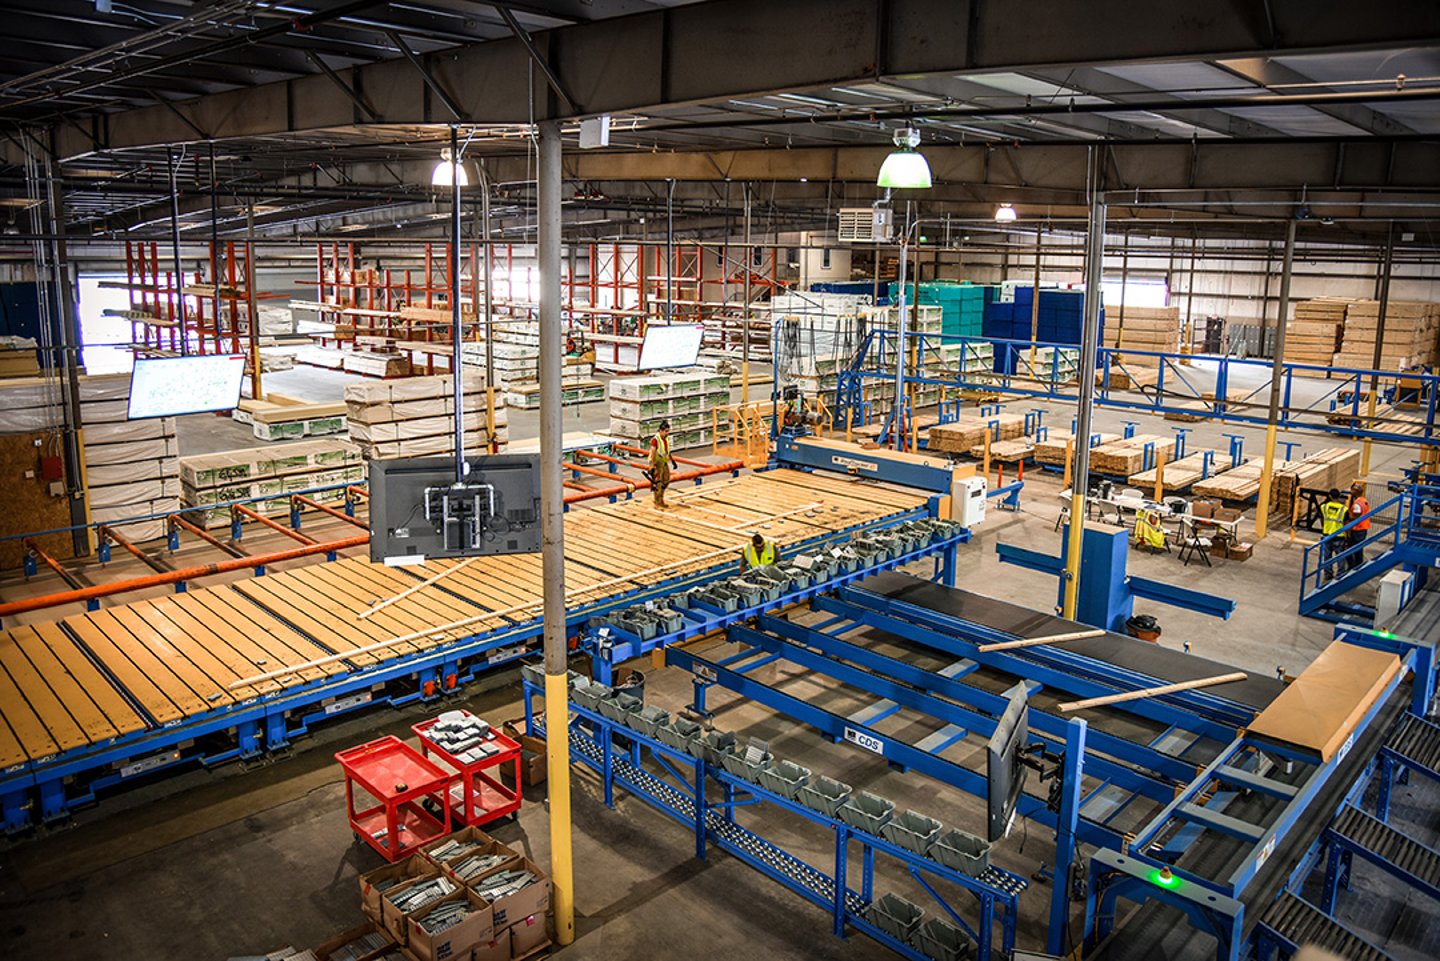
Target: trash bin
column 785, row 778
column 1144, row 627
column 823, row 794
column 912, row 831
column 942, row 941
column 895, row 916
column 962, row 851
column 866, row 811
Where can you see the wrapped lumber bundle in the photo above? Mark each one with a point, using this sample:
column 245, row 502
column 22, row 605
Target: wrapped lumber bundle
column 1333, row 467
column 1313, row 336
column 1240, row 483
column 959, row 436
column 1051, row 450
column 1126, row 456
column 1411, row 331
column 1154, row 329
column 273, row 471
column 416, row 417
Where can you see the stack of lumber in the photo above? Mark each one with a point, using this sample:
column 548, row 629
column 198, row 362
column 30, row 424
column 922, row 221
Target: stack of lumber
column 1051, row 450
column 18, row 357
column 1335, row 467
column 514, row 363
column 577, row 382
column 130, row 466
column 1411, row 330
column 1313, row 335
column 1181, row 474
column 1143, row 328
column 1006, row 451
column 959, row 436
column 1240, row 483
column 1133, row 376
column 415, row 417
column 687, row 399
column 1126, row 456
column 208, row 480
column 280, row 417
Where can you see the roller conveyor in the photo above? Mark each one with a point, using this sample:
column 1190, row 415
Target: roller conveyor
column 1294, row 922
column 1379, row 842
column 1417, row 741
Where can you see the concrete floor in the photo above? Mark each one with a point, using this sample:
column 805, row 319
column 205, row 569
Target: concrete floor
column 226, row 862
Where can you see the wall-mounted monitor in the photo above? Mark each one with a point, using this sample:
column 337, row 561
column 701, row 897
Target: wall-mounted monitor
column 673, row 345
column 1005, row 768
column 171, row 386
column 419, row 512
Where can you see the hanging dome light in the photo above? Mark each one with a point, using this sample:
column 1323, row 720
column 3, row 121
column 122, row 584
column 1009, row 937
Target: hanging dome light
column 1005, row 214
column 906, row 167
column 447, row 172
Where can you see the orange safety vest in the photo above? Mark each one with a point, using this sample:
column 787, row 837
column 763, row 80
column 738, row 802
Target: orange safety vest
column 1359, row 507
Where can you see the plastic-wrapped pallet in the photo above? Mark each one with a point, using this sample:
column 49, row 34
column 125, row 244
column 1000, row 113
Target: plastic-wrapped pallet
column 686, row 399
column 272, row 471
column 416, row 416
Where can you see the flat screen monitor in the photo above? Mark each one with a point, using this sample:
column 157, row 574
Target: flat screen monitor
column 171, row 386
column 418, row 512
column 675, row 345
column 1005, row 771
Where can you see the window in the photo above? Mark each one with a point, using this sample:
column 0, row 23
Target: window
column 1138, row 291
column 825, row 259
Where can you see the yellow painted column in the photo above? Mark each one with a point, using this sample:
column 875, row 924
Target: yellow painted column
column 557, row 768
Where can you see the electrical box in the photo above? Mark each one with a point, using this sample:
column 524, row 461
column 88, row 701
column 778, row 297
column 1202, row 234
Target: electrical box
column 1396, row 589
column 967, row 501
column 866, row 225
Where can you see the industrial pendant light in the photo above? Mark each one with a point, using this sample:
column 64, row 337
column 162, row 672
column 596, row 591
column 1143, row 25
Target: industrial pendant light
column 448, row 168
column 1005, row 214
column 906, row 167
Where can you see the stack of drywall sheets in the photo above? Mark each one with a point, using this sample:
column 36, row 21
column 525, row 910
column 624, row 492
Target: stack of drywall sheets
column 416, row 417
column 1052, row 449
column 514, row 363
column 526, row 396
column 1313, row 336
column 277, row 418
column 130, row 465
column 274, row 471
column 1155, row 329
column 686, row 399
column 1126, row 456
column 1411, row 330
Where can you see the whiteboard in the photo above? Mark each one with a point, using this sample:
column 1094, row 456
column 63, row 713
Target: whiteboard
column 169, row 386
column 676, row 345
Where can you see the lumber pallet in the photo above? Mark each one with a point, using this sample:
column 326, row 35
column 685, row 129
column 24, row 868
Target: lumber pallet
column 1181, row 474
column 1126, row 456
column 1239, row 483
column 1052, row 449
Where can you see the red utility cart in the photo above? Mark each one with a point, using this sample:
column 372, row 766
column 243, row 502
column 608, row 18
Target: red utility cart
column 477, row 797
column 399, row 779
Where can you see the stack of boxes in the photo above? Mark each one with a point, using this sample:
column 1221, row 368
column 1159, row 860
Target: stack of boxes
column 208, row 480
column 1410, row 335
column 1061, row 318
column 416, row 417
column 962, row 305
column 639, row 404
column 464, row 896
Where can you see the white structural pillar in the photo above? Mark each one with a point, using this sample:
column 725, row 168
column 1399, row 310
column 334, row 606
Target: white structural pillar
column 552, row 537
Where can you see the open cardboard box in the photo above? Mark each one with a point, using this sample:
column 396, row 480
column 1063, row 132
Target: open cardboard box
column 494, row 847
column 456, row 941
column 531, row 899
column 330, row 946
column 462, row 835
column 406, row 870
column 393, row 919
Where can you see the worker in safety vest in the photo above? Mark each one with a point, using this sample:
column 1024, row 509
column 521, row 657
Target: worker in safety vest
column 758, row 553
column 1148, row 532
column 1360, row 529
column 660, row 463
column 1332, row 518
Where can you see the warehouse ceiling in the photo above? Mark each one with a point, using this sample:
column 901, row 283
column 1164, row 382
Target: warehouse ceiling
column 325, row 118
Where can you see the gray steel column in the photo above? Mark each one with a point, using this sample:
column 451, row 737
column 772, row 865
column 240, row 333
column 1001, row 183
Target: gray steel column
column 175, row 252
column 456, row 325
column 1386, row 263
column 1277, row 374
column 485, row 228
column 897, row 405
column 552, row 531
column 745, row 321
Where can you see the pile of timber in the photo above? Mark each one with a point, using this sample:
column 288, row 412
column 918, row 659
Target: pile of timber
column 415, row 417
column 1006, row 451
column 1181, row 474
column 959, row 436
column 1132, row 376
column 1313, row 336
column 1411, row 331
column 1239, row 483
column 281, row 417
column 1126, row 456
column 1052, row 449
column 1143, row 329
column 1335, row 467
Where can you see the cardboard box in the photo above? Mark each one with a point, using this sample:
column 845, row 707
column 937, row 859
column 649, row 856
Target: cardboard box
column 531, row 899
column 1240, row 552
column 532, row 754
column 464, row 834
column 455, row 941
column 367, row 930
column 527, row 935
column 392, row 918
column 492, row 847
column 496, row 949
column 410, row 868
column 1227, row 514
column 1203, row 507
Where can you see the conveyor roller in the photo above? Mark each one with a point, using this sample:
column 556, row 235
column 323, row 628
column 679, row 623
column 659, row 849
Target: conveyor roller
column 1417, row 741
column 1300, row 923
column 1387, row 843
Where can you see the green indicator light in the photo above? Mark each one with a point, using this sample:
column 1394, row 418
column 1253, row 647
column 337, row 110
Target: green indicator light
column 1386, row 634
column 1164, row 878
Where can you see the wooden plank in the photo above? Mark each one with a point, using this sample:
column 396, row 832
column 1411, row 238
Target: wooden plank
column 32, row 738
column 135, row 673
column 64, row 686
column 30, row 686
column 1145, row 692
column 1038, row 641
column 71, row 662
column 255, row 635
column 193, row 667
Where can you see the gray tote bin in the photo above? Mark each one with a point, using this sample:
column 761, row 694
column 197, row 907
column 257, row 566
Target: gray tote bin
column 737, row 764
column 964, row 852
column 912, row 831
column 713, row 746
column 823, row 794
column 679, row 733
column 895, row 916
column 866, row 811
column 615, row 708
column 590, row 695
column 942, row 941
column 647, row 720
column 785, row 778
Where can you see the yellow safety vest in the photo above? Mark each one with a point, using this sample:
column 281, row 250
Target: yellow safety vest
column 660, row 453
column 1333, row 517
column 1148, row 530
column 762, row 558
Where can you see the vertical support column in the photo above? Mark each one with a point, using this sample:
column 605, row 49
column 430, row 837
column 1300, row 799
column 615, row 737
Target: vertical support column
column 552, row 535
column 745, row 323
column 485, row 228
column 1067, row 824
column 897, row 404
column 1384, row 298
column 456, row 325
column 1035, row 298
column 1277, row 370
column 179, row 278
column 1089, row 343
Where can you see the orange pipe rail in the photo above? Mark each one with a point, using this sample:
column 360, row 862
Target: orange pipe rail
column 596, row 473
column 679, row 460
column 289, row 532
column 52, row 563
column 176, row 576
column 233, row 550
column 324, row 508
column 140, row 555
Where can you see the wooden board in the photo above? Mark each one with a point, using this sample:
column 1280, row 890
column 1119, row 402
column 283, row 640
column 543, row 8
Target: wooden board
column 1126, row 456
column 29, row 505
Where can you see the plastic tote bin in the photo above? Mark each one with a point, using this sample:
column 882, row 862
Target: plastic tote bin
column 590, row 695
column 866, row 811
column 740, row 764
column 647, row 720
column 895, row 916
column 964, row 852
column 679, row 733
column 823, row 794
column 942, row 941
column 533, row 673
column 713, row 746
column 615, row 708
column 912, row 831
column 785, row 778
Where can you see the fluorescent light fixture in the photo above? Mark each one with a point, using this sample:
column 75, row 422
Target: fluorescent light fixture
column 1005, row 214
column 448, row 172
column 906, row 167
